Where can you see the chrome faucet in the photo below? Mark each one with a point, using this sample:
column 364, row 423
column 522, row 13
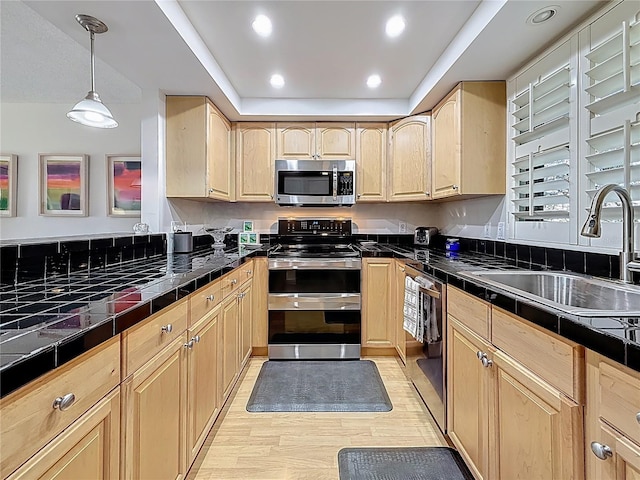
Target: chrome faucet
column 591, row 227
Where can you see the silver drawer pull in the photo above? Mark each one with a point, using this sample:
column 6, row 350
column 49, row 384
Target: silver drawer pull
column 195, row 339
column 211, row 298
column 168, row 328
column 638, row 417
column 480, row 355
column 486, row 363
column 249, row 272
column 189, row 344
column 63, row 403
column 601, row 451
column 234, row 281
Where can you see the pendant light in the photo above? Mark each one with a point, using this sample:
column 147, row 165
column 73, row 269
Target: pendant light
column 90, row 110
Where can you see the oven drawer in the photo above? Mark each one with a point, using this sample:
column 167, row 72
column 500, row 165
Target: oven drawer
column 314, row 282
column 314, row 301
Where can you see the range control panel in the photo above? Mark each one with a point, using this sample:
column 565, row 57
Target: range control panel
column 327, row 227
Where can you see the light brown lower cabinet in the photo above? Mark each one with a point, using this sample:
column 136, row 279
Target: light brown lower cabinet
column 204, row 397
column 88, row 449
column 505, row 419
column 229, row 353
column 378, row 324
column 154, row 417
column 398, row 314
column 245, row 312
column 612, row 446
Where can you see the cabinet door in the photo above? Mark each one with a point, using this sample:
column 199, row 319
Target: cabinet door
column 377, row 312
column 539, row 432
column 467, row 397
column 446, row 153
column 89, row 448
column 296, row 140
column 335, row 141
column 255, row 156
column 220, row 173
column 398, row 313
column 229, row 346
column 623, row 461
column 154, row 406
column 409, row 162
column 246, row 320
column 204, row 399
column 371, row 162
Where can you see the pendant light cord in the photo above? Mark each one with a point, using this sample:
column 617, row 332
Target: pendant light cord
column 93, row 64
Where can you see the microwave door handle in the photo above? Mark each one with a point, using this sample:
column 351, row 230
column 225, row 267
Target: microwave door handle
column 335, row 182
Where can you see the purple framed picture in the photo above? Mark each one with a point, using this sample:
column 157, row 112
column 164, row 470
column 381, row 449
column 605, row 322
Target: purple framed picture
column 124, row 193
column 8, row 182
column 63, row 185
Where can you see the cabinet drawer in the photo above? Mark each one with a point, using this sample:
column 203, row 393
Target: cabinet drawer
column 245, row 271
column 204, row 300
column 469, row 310
column 29, row 420
column 556, row 360
column 230, row 282
column 143, row 341
column 620, row 400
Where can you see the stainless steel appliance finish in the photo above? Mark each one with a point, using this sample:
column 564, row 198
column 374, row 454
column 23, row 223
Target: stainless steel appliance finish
column 315, row 182
column 423, row 235
column 571, row 293
column 426, row 362
column 314, row 291
column 182, row 242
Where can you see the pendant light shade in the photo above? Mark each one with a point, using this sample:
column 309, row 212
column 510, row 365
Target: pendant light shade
column 90, row 111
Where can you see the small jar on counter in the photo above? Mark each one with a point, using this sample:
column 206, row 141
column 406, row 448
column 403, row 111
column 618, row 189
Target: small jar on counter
column 452, row 245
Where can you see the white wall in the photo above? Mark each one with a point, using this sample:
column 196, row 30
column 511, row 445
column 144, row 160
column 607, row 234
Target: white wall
column 368, row 218
column 467, row 218
column 30, row 129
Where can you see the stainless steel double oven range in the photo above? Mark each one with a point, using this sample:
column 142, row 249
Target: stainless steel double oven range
column 314, row 291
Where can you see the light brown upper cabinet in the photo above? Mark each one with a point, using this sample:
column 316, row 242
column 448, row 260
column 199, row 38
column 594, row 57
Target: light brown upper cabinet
column 371, row 162
column 469, row 144
column 198, row 143
column 255, row 156
column 410, row 159
column 316, row 141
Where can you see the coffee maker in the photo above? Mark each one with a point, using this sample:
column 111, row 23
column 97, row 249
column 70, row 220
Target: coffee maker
column 423, row 235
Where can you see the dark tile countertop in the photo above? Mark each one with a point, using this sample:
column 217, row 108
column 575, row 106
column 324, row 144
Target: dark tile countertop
column 617, row 338
column 48, row 322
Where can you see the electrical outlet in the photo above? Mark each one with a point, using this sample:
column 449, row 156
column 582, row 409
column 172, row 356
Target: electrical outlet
column 500, row 235
column 487, row 230
column 402, row 227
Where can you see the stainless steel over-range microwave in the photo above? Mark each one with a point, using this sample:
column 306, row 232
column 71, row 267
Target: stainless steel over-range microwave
column 315, row 182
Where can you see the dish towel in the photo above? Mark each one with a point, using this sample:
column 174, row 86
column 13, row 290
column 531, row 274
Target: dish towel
column 428, row 310
column 412, row 310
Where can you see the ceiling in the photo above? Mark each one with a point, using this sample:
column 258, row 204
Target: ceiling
column 324, row 49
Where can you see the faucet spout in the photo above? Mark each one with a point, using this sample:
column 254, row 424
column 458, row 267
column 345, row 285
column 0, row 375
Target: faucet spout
column 591, row 227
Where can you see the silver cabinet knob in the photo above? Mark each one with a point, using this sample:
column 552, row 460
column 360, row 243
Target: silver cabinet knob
column 271, row 196
column 455, row 187
column 638, row 417
column 211, row 297
column 211, row 190
column 249, row 272
column 359, row 195
column 189, row 345
column 195, row 339
column 601, row 451
column 480, row 355
column 428, row 194
column 63, row 403
column 234, row 281
column 486, row 363
column 168, row 328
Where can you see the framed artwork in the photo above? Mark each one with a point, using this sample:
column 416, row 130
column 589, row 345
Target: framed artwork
column 64, row 185
column 8, row 183
column 249, row 238
column 247, row 226
column 124, row 193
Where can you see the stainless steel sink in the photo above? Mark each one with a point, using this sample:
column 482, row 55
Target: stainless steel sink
column 571, row 293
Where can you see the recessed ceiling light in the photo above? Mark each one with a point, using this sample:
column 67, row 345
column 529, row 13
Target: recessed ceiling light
column 262, row 25
column 543, row 15
column 277, row 81
column 395, row 26
column 374, row 81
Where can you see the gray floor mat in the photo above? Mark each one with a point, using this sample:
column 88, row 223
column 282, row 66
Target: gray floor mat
column 319, row 386
column 414, row 463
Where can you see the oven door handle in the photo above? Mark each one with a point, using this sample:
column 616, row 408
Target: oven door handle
column 335, row 182
column 315, row 263
column 314, row 301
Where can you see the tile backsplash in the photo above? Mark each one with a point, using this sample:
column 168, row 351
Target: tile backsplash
column 21, row 261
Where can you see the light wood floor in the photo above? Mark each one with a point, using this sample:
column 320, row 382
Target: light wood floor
column 304, row 446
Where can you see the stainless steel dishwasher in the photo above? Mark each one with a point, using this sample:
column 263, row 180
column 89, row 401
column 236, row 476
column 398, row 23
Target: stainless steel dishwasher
column 426, row 362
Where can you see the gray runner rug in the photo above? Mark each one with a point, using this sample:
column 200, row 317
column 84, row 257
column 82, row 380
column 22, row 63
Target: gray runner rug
column 415, row 463
column 319, row 386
